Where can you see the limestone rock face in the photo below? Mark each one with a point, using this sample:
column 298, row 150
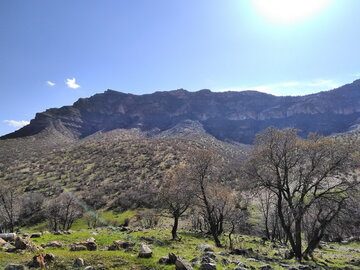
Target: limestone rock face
column 233, row 116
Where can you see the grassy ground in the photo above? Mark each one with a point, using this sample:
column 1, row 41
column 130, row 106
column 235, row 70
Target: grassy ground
column 334, row 256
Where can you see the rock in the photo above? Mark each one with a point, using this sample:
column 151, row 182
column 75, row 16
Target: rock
column 223, row 253
column 145, row 251
column 57, row 233
column 89, row 268
column 2, row 242
column 252, row 260
column 38, row 261
column 172, row 258
column 265, row 267
column 205, row 247
column 23, row 243
column 79, row 262
column 182, row 265
column 36, row 235
column 163, row 260
column 8, row 236
column 49, row 258
column 78, row 247
column 239, row 251
column 53, row 244
column 208, row 266
column 118, row 244
column 15, row 267
column 90, row 244
column 304, row 267
column 8, row 247
column 209, row 255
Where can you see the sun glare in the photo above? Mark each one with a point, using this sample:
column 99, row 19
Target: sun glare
column 290, row 11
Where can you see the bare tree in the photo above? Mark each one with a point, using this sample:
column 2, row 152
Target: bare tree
column 9, row 206
column 215, row 199
column 176, row 195
column 304, row 175
column 63, row 211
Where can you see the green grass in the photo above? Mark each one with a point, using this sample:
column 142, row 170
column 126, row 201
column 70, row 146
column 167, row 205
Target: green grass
column 161, row 245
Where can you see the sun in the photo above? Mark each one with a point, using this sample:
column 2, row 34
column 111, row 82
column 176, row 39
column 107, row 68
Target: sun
column 290, row 11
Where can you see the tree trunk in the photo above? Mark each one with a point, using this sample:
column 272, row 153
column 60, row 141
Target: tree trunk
column 175, row 227
column 297, row 250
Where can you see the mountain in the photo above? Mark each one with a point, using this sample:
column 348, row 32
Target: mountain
column 228, row 116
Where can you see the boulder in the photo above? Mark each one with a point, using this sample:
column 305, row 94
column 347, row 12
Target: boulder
column 90, row 244
column 208, row 266
column 24, row 243
column 8, row 236
column 2, row 242
column 35, row 235
column 171, row 259
column 145, row 251
column 53, row 244
column 38, row 261
column 79, row 262
column 15, row 267
column 182, row 265
column 49, row 258
column 78, row 247
column 205, row 247
column 265, row 267
column 8, row 247
column 118, row 245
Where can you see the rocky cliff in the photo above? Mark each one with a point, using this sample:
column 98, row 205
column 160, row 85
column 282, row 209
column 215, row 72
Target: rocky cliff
column 232, row 116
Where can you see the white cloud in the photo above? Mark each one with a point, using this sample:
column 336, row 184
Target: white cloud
column 50, row 83
column 17, row 124
column 71, row 83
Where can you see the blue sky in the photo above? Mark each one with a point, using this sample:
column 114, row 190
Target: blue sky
column 53, row 52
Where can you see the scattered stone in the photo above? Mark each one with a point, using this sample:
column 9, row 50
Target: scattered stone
column 223, row 253
column 182, row 265
column 240, row 268
column 49, row 258
column 304, row 267
column 90, row 244
column 209, row 255
column 238, row 251
column 89, row 268
column 79, row 262
column 8, row 236
column 145, row 251
column 252, row 260
column 23, row 243
column 15, row 267
column 265, row 267
column 205, row 247
column 163, row 260
column 8, row 247
column 36, row 235
column 118, row 244
column 57, row 233
column 78, row 247
column 172, row 258
column 37, row 261
column 2, row 242
column 208, row 266
column 53, row 244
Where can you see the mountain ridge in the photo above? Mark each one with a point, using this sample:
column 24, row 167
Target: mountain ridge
column 228, row 116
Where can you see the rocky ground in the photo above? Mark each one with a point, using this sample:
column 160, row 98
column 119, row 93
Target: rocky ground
column 129, row 248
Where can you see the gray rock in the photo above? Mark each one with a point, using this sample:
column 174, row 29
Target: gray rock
column 89, row 268
column 78, row 247
column 79, row 262
column 8, row 236
column 265, row 267
column 49, row 258
column 182, row 265
column 145, row 251
column 304, row 267
column 35, row 235
column 205, row 247
column 208, row 266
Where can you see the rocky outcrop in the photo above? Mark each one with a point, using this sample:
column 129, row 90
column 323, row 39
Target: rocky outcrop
column 235, row 116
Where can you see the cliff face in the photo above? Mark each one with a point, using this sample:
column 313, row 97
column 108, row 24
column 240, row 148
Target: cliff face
column 235, row 116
